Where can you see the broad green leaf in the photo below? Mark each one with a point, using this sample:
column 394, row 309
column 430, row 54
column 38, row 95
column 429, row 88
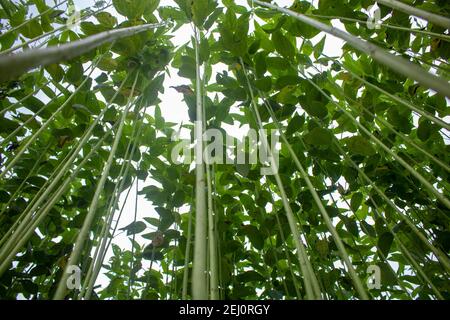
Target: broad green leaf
column 356, row 201
column 134, row 228
column 295, row 124
column 250, row 276
column 318, row 49
column 255, row 236
column 314, row 108
column 424, row 130
column 368, row 229
column 361, row 146
column 283, row 45
column 385, row 242
column 322, row 247
column 319, row 137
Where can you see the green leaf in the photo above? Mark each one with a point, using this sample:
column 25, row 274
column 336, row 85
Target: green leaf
column 424, row 130
column 322, row 247
column 75, row 73
column 152, row 221
column 167, row 218
column 200, row 11
column 361, row 146
column 106, row 19
column 243, row 169
column 385, row 242
column 234, row 33
column 254, row 235
column 318, row 49
column 283, row 45
column 295, row 124
column 368, row 229
column 4, row 196
column 351, row 226
column 314, row 108
column 178, row 198
column 187, row 68
column 264, row 84
column 319, row 137
column 134, row 228
column 388, row 277
column 204, row 50
column 133, row 9
column 56, row 71
column 250, row 276
column 356, row 201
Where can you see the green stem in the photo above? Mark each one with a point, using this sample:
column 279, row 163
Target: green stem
column 387, row 25
column 32, row 19
column 431, row 17
column 311, row 284
column 23, row 237
column 13, row 66
column 397, row 63
column 411, row 170
column 199, row 289
column 187, row 255
column 82, row 236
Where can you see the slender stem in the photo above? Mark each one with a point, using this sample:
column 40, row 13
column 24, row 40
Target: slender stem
column 74, row 257
column 214, row 284
column 431, row 17
column 387, row 25
column 42, row 213
column 199, row 289
column 13, row 66
column 100, row 252
column 396, row 63
column 311, row 284
column 10, row 50
column 187, row 255
column 344, row 255
column 33, row 18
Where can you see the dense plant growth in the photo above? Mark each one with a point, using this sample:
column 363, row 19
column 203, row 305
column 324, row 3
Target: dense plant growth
column 363, row 168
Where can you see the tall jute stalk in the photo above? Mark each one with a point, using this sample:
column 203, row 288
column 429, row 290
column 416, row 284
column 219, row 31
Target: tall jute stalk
column 13, row 66
column 429, row 16
column 312, row 287
column 396, row 63
column 33, row 18
column 199, row 287
column 439, row 254
column 49, row 33
column 83, row 235
column 337, row 239
column 212, row 241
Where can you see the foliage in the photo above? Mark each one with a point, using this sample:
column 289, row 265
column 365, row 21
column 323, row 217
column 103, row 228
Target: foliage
column 311, row 97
